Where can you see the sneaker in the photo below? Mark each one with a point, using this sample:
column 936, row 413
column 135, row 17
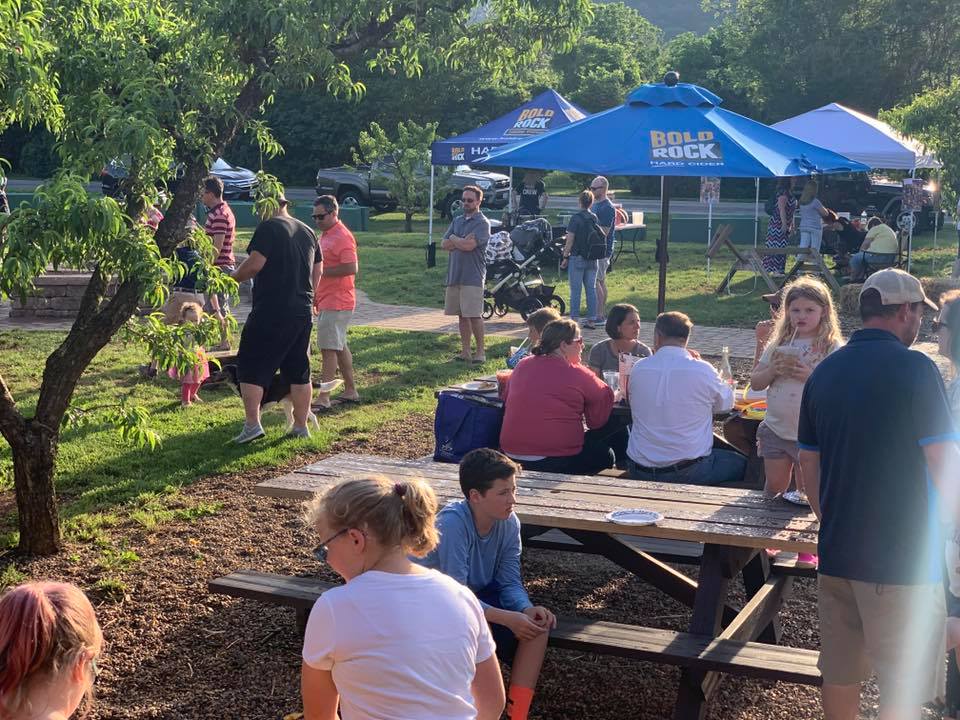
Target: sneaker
column 807, row 560
column 249, row 434
column 296, row 432
column 588, row 325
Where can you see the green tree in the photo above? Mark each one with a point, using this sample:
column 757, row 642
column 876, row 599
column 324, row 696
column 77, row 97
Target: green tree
column 789, row 56
column 400, row 163
column 933, row 118
column 619, row 50
column 166, row 84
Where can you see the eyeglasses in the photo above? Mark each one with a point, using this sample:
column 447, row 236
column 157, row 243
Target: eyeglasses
column 94, row 668
column 596, row 187
column 320, row 216
column 468, row 199
column 578, row 341
column 320, row 552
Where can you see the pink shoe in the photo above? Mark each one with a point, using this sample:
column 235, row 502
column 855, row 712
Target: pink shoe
column 807, row 560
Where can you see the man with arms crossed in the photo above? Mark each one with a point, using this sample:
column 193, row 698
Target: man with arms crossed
column 465, row 240
column 878, row 450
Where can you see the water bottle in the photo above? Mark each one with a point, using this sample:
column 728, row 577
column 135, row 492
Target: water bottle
column 863, row 219
column 726, row 373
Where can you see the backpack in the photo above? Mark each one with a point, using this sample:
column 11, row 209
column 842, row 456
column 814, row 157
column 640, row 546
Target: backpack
column 591, row 243
column 463, row 423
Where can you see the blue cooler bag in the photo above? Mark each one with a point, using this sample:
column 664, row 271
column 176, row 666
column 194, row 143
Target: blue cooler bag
column 465, row 422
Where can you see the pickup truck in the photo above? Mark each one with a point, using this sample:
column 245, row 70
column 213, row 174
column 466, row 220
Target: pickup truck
column 856, row 192
column 365, row 185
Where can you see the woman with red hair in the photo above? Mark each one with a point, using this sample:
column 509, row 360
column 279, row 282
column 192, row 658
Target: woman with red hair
column 49, row 645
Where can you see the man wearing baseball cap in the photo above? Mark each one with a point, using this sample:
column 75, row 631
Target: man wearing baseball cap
column 876, row 443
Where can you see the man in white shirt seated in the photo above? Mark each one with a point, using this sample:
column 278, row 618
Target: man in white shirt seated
column 673, row 397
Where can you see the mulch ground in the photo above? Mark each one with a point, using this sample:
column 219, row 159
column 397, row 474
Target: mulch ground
column 175, row 651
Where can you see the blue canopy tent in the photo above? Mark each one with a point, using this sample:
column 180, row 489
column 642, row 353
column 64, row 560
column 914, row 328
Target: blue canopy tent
column 672, row 129
column 546, row 112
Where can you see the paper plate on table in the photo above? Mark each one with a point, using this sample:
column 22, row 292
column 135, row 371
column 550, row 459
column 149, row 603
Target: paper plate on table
column 479, row 386
column 796, row 497
column 636, row 516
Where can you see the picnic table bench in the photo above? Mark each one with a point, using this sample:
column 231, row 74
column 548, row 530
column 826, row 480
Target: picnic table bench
column 733, row 526
column 751, row 259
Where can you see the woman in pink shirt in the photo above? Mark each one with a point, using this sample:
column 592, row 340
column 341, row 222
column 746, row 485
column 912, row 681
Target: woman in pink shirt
column 548, row 398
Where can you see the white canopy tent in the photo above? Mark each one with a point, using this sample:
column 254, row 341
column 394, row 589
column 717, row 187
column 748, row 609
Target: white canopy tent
column 858, row 137
column 863, row 138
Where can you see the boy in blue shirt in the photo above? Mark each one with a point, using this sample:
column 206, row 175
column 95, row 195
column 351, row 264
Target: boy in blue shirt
column 480, row 548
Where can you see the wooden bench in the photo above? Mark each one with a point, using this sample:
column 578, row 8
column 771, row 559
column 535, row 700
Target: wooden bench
column 697, row 652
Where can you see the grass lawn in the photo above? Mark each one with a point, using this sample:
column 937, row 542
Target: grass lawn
column 102, row 480
column 393, row 270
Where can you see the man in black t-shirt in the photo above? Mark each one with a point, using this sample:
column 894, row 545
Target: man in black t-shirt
column 531, row 195
column 285, row 258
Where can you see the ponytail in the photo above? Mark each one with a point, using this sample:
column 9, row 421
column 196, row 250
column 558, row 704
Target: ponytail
column 397, row 513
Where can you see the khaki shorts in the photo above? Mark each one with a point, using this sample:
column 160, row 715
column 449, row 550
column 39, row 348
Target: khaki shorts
column 332, row 329
column 895, row 630
column 773, row 447
column 463, row 300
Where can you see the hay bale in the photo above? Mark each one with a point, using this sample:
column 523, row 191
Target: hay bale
column 935, row 287
column 849, row 301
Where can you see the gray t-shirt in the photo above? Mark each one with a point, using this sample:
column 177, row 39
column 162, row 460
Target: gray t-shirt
column 604, row 355
column 468, row 268
column 810, row 218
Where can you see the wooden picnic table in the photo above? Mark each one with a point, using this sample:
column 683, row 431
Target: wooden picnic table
column 734, row 526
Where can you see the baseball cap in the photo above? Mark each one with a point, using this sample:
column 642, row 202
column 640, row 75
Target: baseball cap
column 897, row 287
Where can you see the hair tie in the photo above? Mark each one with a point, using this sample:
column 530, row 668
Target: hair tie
column 400, row 489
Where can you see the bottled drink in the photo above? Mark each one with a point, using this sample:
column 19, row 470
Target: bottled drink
column 726, row 373
column 863, row 220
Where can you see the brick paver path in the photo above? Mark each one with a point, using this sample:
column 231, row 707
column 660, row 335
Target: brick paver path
column 708, row 340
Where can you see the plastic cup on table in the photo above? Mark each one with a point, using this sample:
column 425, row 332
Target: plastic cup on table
column 502, row 377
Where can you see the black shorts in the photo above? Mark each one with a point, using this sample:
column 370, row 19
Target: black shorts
column 271, row 344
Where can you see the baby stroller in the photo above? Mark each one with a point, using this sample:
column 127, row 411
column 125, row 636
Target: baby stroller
column 513, row 270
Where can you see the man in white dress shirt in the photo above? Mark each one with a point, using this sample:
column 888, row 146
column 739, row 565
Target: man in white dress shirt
column 673, row 397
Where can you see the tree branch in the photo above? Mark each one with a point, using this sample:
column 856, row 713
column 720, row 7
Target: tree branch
column 374, row 34
column 12, row 423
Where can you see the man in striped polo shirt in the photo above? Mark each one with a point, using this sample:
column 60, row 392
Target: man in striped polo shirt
column 221, row 226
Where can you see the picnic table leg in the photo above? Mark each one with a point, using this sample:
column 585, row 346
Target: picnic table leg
column 647, row 568
column 755, row 575
column 718, row 567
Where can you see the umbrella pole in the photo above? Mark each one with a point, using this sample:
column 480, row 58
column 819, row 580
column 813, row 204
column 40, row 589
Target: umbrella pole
column 936, row 219
column 662, row 242
column 510, row 194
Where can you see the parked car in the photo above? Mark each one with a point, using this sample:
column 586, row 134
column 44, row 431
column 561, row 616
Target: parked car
column 238, row 183
column 365, row 185
column 856, row 192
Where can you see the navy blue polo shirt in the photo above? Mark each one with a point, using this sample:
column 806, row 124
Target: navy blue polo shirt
column 869, row 409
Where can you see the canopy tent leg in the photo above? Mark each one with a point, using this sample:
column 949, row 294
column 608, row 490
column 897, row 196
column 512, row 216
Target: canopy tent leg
column 510, row 193
column 936, row 222
column 431, row 248
column 756, row 222
column 709, row 234
column 662, row 256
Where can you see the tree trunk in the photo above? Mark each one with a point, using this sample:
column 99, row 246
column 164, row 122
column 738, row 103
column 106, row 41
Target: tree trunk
column 33, row 464
column 408, row 222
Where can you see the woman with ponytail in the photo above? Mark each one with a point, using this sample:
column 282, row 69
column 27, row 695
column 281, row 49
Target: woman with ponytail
column 49, row 645
column 397, row 639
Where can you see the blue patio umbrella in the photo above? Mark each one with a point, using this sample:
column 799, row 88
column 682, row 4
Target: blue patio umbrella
column 672, row 129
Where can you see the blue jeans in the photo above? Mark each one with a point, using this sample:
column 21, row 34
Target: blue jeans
column 717, row 468
column 582, row 274
column 858, row 262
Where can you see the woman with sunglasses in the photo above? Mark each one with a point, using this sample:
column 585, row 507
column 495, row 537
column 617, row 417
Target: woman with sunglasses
column 398, row 639
column 547, row 399
column 49, row 645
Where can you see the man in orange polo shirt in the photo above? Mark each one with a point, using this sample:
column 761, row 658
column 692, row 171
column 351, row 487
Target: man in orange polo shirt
column 335, row 300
